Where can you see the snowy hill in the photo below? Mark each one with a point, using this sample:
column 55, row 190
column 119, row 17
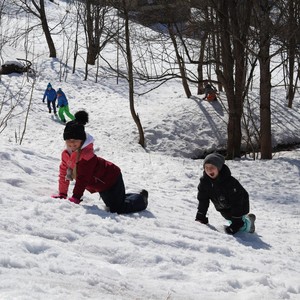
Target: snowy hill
column 54, row 249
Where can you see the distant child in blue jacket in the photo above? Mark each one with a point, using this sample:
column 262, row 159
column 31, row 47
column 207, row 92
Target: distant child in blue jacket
column 51, row 96
column 63, row 106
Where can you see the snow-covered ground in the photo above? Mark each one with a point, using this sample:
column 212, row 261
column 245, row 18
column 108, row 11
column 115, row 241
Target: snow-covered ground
column 53, row 249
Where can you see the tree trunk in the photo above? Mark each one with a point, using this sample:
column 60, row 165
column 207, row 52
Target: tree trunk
column 265, row 104
column 180, row 64
column 265, row 80
column 92, row 51
column 234, row 22
column 130, row 79
column 90, row 42
column 200, row 67
column 292, row 25
column 291, row 59
column 50, row 43
column 233, row 130
column 203, row 42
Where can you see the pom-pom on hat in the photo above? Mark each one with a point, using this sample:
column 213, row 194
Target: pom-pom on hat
column 215, row 159
column 75, row 129
column 59, row 91
column 49, row 85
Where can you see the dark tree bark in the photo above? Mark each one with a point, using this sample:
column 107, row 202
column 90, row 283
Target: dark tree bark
column 293, row 27
column 94, row 30
column 52, row 49
column 234, row 25
column 130, row 77
column 263, row 9
column 40, row 13
column 181, row 64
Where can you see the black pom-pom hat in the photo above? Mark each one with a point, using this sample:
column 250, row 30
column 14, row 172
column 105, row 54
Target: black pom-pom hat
column 75, row 129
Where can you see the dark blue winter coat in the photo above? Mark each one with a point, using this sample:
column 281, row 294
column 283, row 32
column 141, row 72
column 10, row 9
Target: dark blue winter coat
column 225, row 192
column 50, row 94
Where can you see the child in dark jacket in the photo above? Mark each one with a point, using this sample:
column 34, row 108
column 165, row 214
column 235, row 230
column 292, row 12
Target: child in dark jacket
column 51, row 96
column 92, row 173
column 226, row 193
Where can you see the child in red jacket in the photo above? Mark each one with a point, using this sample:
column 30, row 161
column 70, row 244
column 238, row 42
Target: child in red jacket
column 210, row 93
column 92, row 173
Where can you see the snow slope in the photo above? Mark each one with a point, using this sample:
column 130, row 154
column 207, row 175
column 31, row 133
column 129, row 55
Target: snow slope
column 54, row 249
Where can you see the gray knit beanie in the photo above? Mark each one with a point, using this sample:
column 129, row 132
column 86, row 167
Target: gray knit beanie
column 215, row 159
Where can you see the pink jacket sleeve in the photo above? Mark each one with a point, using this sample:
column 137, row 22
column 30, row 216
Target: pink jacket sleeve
column 63, row 184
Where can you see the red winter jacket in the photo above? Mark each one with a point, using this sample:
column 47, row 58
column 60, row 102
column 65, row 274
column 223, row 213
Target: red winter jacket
column 93, row 173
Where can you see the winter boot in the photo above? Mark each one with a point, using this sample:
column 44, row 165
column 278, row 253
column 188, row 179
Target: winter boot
column 252, row 219
column 144, row 193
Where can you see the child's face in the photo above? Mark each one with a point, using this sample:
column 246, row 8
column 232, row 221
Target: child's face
column 211, row 170
column 73, row 144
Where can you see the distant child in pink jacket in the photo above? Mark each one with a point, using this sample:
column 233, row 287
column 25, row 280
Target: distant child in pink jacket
column 93, row 173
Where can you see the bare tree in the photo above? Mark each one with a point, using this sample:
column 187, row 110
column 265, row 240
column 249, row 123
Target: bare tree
column 234, row 23
column 289, row 36
column 27, row 112
column 11, row 104
column 76, row 32
column 98, row 28
column 180, row 62
column 10, row 101
column 94, row 27
column 264, row 27
column 37, row 9
column 2, row 41
column 125, row 7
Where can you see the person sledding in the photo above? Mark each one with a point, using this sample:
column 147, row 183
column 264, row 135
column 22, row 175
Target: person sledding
column 226, row 193
column 93, row 173
column 210, row 93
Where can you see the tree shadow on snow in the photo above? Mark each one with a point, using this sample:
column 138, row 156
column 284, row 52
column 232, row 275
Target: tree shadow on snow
column 219, row 109
column 95, row 210
column 209, row 117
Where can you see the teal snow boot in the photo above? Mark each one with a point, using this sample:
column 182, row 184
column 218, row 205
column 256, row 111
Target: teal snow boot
column 252, row 219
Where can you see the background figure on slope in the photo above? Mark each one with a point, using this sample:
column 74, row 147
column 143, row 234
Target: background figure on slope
column 93, row 173
column 210, row 92
column 226, row 193
column 63, row 105
column 51, row 96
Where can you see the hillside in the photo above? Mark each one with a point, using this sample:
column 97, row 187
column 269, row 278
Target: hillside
column 54, row 249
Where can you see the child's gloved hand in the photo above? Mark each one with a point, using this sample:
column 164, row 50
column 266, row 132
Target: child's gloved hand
column 74, row 200
column 201, row 218
column 60, row 196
